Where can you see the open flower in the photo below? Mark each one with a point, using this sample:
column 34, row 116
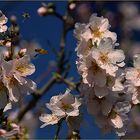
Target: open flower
column 132, row 83
column 92, row 33
column 119, row 117
column 14, row 75
column 64, row 105
column 3, row 21
column 107, row 57
column 3, row 89
column 91, row 73
column 96, row 29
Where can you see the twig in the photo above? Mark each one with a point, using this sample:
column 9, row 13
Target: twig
column 36, row 97
column 59, row 128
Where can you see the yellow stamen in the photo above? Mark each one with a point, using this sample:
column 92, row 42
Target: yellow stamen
column 21, row 69
column 66, row 106
column 94, row 67
column 96, row 32
column 52, row 118
column 103, row 57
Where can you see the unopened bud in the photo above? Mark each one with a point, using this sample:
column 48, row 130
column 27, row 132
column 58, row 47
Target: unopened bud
column 22, row 52
column 72, row 6
column 2, row 132
column 42, row 11
column 13, row 19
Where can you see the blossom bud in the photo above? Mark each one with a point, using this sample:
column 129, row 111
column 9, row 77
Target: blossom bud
column 22, row 52
column 42, row 11
column 72, row 4
column 13, row 19
column 2, row 132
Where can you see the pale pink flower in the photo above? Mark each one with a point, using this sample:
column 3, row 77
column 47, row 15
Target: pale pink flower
column 91, row 73
column 64, row 105
column 96, row 29
column 107, row 57
column 133, row 73
column 14, row 73
column 3, row 21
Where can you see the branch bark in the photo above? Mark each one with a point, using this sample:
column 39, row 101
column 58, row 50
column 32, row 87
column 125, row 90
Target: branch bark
column 35, row 99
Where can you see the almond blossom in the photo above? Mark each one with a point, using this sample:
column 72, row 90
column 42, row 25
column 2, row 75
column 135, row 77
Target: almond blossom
column 132, row 83
column 96, row 29
column 119, row 118
column 64, row 105
column 100, row 65
column 3, row 21
column 92, row 33
column 14, row 73
column 107, row 57
column 91, row 73
column 133, row 73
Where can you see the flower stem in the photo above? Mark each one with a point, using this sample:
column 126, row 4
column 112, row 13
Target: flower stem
column 59, row 126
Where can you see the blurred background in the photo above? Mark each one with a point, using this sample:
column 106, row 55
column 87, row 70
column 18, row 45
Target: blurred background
column 39, row 31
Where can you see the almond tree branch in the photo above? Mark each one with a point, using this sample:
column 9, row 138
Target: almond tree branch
column 36, row 96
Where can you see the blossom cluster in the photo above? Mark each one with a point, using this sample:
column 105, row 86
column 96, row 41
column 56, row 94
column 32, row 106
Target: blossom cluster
column 14, row 68
column 108, row 87
column 63, row 106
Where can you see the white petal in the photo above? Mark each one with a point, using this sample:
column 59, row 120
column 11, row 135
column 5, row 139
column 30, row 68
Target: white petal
column 116, row 56
column 75, row 112
column 104, row 24
column 3, row 28
column 117, row 122
column 112, row 35
column 23, row 66
column 48, row 119
column 7, row 107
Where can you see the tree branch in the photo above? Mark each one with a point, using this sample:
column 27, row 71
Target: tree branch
column 36, row 96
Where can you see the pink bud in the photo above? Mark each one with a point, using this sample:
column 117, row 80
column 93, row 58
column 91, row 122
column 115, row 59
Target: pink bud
column 2, row 132
column 24, row 50
column 42, row 11
column 72, row 6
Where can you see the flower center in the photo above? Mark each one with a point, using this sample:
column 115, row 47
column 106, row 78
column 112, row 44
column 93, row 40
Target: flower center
column 12, row 81
column 66, row 106
column 53, row 118
column 103, row 57
column 96, row 32
column 21, row 69
column 95, row 68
